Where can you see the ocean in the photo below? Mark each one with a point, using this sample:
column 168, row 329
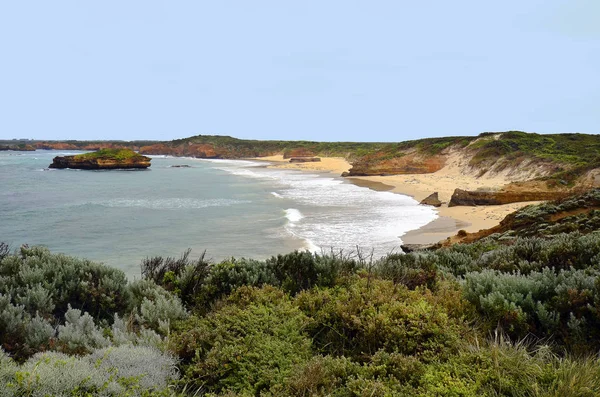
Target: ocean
column 230, row 208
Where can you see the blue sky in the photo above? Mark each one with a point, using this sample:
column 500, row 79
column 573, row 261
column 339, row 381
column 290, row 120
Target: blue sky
column 317, row 70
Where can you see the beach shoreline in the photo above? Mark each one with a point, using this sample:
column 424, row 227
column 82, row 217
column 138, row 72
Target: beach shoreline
column 418, row 186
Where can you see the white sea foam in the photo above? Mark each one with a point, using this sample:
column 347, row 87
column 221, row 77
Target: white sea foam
column 170, row 204
column 276, row 194
column 293, row 215
column 337, row 214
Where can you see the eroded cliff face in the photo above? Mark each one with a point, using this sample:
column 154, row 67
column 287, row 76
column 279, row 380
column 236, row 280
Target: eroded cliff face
column 73, row 162
column 411, row 163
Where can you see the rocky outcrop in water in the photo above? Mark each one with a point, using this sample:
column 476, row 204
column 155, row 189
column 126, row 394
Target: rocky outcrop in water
column 103, row 160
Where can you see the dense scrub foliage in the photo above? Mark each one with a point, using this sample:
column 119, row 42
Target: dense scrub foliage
column 504, row 316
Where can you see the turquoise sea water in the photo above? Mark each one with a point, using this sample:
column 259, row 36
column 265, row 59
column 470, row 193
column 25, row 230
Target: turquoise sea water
column 226, row 207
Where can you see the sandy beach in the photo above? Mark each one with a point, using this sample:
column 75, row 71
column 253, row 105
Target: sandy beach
column 419, row 186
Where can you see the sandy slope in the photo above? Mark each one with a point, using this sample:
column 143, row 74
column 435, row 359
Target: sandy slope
column 419, row 186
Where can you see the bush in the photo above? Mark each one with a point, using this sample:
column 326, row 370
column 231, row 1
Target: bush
column 182, row 276
column 360, row 319
column 386, row 375
column 228, row 275
column 248, row 344
column 560, row 305
column 411, row 270
column 299, row 271
column 79, row 334
column 47, row 284
column 154, row 307
column 119, row 371
column 41, row 293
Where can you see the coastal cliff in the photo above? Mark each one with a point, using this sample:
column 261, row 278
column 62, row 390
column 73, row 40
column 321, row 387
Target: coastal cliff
column 105, row 159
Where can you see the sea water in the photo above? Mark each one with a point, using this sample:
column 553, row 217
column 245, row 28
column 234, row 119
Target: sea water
column 230, row 208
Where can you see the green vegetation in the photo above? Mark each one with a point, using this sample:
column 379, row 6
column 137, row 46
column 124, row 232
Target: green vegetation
column 568, row 155
column 113, row 154
column 251, row 148
column 508, row 315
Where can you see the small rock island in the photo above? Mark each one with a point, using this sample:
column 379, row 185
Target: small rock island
column 103, row 159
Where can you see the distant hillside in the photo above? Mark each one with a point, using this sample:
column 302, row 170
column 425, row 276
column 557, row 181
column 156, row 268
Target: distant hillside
column 559, row 162
column 215, row 146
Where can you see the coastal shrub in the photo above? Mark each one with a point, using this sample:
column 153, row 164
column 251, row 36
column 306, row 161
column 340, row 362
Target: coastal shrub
column 366, row 316
column 199, row 284
column 249, row 343
column 226, row 276
column 39, row 334
column 80, row 334
column 564, row 251
column 154, row 307
column 182, row 276
column 7, row 370
column 301, row 270
column 385, row 375
column 48, row 283
column 159, row 313
column 148, row 366
column 128, row 333
column 13, row 320
column 119, row 371
column 559, row 305
column 412, row 270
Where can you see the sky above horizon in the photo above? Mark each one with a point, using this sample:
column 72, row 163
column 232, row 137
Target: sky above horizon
column 336, row 70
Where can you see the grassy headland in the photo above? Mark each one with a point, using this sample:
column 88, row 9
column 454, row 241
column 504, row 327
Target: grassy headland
column 506, row 315
column 113, row 154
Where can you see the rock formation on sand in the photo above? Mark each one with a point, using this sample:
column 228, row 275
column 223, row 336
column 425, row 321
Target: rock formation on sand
column 304, row 159
column 472, row 198
column 105, row 159
column 432, row 199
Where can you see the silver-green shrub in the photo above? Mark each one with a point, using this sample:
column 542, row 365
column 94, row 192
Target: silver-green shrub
column 7, row 371
column 80, row 333
column 155, row 307
column 38, row 332
column 117, row 371
column 152, row 368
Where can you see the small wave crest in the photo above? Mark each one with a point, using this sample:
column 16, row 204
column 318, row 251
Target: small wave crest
column 276, row 194
column 293, row 215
